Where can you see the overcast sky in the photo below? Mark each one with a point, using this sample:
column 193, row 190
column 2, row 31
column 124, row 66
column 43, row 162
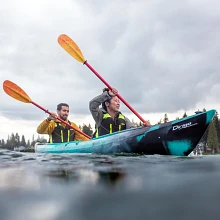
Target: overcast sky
column 161, row 55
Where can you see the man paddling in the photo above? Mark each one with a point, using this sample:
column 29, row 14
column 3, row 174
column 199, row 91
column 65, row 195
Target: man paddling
column 59, row 132
column 109, row 119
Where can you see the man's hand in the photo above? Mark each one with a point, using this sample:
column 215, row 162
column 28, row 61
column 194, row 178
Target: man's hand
column 53, row 116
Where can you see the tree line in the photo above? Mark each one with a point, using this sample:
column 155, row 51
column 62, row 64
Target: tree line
column 15, row 140
column 211, row 138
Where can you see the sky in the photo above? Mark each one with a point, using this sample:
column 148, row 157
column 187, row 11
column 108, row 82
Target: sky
column 161, row 55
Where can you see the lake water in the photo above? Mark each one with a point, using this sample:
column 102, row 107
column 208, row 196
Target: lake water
column 95, row 187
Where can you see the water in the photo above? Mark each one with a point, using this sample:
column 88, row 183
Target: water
column 93, row 187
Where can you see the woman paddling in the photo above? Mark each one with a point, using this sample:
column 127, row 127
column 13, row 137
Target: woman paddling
column 108, row 119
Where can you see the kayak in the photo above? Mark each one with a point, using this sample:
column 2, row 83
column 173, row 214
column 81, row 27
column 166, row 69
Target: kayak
column 178, row 137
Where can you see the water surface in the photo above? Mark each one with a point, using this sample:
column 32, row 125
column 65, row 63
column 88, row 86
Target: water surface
column 88, row 186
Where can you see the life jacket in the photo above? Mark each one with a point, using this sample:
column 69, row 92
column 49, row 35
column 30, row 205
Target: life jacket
column 110, row 125
column 61, row 134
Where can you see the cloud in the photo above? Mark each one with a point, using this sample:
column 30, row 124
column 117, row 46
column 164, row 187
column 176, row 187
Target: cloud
column 162, row 56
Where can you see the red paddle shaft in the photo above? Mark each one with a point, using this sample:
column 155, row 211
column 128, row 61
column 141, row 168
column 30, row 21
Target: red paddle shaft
column 45, row 110
column 119, row 96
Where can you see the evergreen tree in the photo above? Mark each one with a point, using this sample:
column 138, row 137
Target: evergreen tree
column 212, row 137
column 28, row 144
column 160, row 121
column 33, row 142
column 165, row 118
column 41, row 139
column 12, row 142
column 204, row 110
column 87, row 130
column 17, row 140
column 184, row 115
column 23, row 142
column 217, row 125
column 3, row 143
column 7, row 145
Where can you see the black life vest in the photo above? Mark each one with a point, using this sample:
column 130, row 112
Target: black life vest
column 110, row 125
column 61, row 134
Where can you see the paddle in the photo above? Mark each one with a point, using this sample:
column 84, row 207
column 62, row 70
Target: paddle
column 71, row 47
column 16, row 92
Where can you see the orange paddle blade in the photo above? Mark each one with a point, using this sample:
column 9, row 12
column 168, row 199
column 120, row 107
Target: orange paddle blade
column 15, row 91
column 71, row 47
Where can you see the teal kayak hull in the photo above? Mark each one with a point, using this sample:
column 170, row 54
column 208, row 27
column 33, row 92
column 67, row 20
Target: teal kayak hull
column 178, row 137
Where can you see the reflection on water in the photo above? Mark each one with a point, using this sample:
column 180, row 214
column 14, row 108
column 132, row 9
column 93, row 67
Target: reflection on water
column 81, row 187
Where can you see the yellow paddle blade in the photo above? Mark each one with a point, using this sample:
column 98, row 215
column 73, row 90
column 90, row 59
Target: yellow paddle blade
column 71, row 47
column 15, row 91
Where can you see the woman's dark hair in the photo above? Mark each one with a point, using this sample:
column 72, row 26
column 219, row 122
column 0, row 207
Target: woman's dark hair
column 59, row 106
column 108, row 100
column 103, row 104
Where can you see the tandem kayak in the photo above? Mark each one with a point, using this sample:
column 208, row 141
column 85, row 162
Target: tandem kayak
column 178, row 137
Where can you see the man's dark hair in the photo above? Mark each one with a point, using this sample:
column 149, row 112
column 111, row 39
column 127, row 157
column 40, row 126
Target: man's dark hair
column 59, row 106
